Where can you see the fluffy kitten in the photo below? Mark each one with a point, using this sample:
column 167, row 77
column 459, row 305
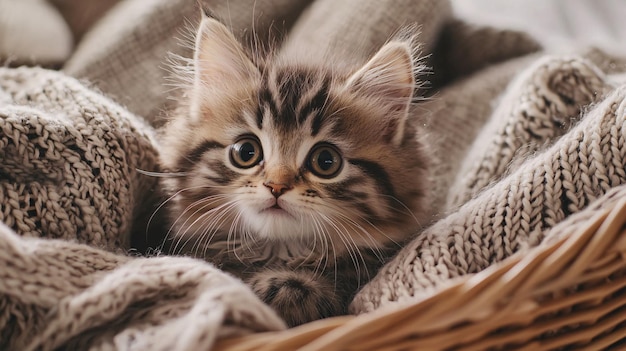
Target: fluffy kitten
column 299, row 179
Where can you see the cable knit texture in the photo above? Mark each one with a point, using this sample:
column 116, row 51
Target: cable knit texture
column 541, row 156
column 520, row 140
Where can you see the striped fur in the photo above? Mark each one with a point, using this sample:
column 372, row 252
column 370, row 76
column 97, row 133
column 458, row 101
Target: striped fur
column 278, row 220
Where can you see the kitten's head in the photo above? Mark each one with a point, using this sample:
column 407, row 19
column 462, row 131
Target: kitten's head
column 295, row 153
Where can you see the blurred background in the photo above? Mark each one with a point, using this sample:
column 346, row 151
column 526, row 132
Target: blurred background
column 47, row 31
column 556, row 24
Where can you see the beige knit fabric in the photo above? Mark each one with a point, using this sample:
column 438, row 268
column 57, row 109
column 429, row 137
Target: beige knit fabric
column 355, row 29
column 69, row 160
column 69, row 170
column 543, row 155
column 55, row 294
column 506, row 169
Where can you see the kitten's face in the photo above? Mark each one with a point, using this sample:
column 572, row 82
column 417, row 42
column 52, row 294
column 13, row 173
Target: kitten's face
column 293, row 153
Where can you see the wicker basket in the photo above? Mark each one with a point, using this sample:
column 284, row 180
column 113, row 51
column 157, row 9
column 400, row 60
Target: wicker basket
column 568, row 293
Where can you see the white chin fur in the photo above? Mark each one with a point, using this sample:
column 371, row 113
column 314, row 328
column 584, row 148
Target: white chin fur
column 276, row 225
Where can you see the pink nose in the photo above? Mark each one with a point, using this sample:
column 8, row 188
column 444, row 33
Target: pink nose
column 277, row 189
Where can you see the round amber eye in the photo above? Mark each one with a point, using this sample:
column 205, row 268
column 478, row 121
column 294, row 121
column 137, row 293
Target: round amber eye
column 246, row 152
column 325, row 161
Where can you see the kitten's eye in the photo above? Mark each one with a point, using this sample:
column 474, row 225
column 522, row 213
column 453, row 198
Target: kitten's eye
column 325, row 161
column 246, row 152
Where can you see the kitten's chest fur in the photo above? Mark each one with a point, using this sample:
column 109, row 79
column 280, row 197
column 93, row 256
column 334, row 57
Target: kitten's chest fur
column 225, row 251
column 245, row 261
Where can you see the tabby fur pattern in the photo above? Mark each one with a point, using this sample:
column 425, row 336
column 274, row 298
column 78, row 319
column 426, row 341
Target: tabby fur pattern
column 299, row 178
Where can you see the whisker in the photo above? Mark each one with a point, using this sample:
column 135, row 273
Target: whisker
column 161, row 206
column 211, row 224
column 312, row 251
column 161, row 174
column 215, row 218
column 408, row 210
column 233, row 232
column 205, row 202
column 350, row 245
column 209, row 201
column 319, row 230
column 367, row 221
column 375, row 245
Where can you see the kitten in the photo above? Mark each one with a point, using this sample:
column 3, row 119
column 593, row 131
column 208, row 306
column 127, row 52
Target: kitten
column 300, row 179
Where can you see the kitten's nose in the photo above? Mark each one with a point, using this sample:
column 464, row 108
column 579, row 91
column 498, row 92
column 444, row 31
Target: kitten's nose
column 277, row 189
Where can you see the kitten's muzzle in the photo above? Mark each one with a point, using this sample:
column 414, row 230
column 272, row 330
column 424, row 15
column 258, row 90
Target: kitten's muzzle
column 277, row 189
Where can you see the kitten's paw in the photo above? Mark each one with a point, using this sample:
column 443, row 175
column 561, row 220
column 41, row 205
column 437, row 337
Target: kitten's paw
column 298, row 296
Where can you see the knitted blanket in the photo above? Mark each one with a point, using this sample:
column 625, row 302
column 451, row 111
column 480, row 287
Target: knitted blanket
column 520, row 140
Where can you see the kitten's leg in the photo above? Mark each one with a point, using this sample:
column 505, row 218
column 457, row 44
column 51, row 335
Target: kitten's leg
column 297, row 296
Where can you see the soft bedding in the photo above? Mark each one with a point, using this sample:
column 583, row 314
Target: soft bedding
column 521, row 138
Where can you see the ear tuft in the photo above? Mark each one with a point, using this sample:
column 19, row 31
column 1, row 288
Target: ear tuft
column 206, row 11
column 220, row 60
column 388, row 79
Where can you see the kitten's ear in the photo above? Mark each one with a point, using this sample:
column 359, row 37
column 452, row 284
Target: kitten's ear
column 220, row 60
column 388, row 79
